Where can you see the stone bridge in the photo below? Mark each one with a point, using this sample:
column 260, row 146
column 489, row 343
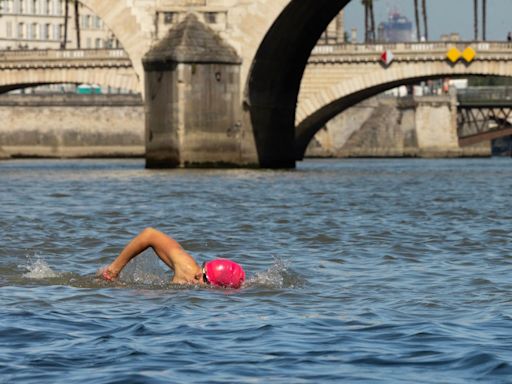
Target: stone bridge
column 274, row 40
column 109, row 68
column 338, row 77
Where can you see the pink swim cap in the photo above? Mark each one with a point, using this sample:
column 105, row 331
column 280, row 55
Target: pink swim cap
column 224, row 273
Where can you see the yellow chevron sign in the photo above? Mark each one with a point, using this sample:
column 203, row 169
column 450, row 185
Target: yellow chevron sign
column 469, row 54
column 455, row 55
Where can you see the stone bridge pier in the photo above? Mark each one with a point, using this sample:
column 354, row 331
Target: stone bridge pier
column 249, row 105
column 235, row 84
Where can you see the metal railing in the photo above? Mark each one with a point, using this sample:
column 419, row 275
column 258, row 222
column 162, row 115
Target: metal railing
column 475, row 94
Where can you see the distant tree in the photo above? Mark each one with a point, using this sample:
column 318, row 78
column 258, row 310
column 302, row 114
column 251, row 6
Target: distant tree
column 76, row 8
column 369, row 21
column 475, row 19
column 417, row 19
column 66, row 17
column 484, row 20
column 77, row 22
column 372, row 21
column 366, row 20
column 425, row 19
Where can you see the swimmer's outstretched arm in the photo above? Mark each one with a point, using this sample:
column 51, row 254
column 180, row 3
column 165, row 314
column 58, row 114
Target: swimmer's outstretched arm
column 167, row 249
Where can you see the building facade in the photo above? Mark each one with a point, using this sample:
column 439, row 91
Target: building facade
column 398, row 29
column 39, row 24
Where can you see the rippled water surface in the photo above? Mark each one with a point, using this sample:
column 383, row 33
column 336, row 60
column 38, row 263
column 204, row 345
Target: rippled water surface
column 392, row 271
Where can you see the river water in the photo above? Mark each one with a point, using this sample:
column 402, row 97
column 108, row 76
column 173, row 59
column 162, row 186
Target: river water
column 385, row 271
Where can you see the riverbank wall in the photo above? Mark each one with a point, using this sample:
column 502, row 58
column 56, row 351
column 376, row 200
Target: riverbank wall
column 75, row 126
column 71, row 125
column 386, row 126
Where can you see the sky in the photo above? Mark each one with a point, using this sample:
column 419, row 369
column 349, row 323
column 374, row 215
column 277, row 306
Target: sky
column 445, row 16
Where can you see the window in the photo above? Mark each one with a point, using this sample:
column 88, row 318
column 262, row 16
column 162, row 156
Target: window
column 8, row 29
column 21, row 6
column 6, row 6
column 168, row 17
column 20, row 34
column 56, row 32
column 210, row 17
column 48, row 7
column 46, row 32
column 98, row 43
column 33, row 8
column 97, row 22
column 57, row 4
column 33, row 32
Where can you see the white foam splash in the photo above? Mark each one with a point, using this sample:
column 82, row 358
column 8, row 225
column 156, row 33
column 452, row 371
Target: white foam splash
column 279, row 275
column 38, row 269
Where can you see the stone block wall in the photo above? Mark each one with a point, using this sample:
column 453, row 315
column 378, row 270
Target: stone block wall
column 390, row 127
column 72, row 126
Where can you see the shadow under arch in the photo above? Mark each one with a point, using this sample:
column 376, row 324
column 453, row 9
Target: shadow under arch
column 307, row 128
column 14, row 87
column 276, row 73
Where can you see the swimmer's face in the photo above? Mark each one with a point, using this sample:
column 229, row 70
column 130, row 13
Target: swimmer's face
column 200, row 277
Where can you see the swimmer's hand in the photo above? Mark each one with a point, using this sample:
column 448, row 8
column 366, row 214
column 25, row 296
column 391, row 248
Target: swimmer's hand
column 106, row 274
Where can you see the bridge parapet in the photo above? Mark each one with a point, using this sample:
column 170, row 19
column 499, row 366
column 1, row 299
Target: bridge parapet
column 412, row 52
column 45, row 58
column 106, row 67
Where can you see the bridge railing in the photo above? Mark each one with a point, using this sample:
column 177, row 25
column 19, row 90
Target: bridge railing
column 59, row 54
column 434, row 46
column 484, row 94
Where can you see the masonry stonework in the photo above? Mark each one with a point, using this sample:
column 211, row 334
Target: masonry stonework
column 390, row 127
column 71, row 126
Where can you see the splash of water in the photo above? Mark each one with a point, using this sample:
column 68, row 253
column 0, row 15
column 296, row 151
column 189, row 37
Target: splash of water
column 38, row 269
column 279, row 275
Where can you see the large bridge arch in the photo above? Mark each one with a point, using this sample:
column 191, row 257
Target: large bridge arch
column 314, row 112
column 274, row 78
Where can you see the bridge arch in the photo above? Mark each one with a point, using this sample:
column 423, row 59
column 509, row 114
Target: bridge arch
column 314, row 112
column 107, row 68
column 274, row 80
column 127, row 26
column 105, row 78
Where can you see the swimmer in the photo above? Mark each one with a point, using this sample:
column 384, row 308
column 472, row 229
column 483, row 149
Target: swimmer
column 218, row 272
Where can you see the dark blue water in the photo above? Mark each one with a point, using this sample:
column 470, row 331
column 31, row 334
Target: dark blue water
column 388, row 271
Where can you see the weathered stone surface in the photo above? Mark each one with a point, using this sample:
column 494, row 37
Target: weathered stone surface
column 193, row 100
column 3, row 154
column 387, row 127
column 189, row 42
column 72, row 126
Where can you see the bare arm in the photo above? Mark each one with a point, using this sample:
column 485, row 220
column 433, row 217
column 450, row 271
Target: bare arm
column 167, row 249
